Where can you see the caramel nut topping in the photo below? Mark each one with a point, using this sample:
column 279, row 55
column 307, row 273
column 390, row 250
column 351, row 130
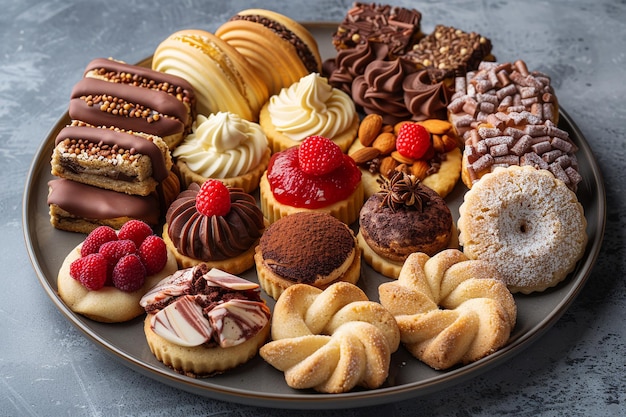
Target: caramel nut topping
column 382, row 158
column 436, row 126
column 449, row 142
column 401, row 158
column 438, row 144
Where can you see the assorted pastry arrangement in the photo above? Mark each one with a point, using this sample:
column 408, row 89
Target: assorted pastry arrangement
column 242, row 149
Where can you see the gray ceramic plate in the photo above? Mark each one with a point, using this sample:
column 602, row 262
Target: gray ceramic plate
column 257, row 383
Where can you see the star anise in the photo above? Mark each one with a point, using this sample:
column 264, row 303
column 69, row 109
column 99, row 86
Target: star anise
column 403, row 189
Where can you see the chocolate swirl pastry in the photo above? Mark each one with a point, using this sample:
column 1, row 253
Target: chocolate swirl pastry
column 423, row 99
column 350, row 63
column 379, row 89
column 217, row 237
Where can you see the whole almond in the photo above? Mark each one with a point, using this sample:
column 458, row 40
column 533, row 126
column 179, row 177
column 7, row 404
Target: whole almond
column 449, row 142
column 387, row 166
column 385, row 143
column 369, row 128
column 401, row 158
column 438, row 144
column 364, row 155
column 436, row 126
column 420, row 169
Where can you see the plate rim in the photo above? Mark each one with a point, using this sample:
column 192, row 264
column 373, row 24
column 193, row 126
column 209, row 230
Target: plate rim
column 299, row 400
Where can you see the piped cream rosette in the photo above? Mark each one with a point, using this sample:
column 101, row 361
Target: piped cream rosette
column 223, row 146
column 309, row 107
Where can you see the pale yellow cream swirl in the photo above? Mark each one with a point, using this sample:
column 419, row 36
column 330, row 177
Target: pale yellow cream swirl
column 222, row 145
column 311, row 106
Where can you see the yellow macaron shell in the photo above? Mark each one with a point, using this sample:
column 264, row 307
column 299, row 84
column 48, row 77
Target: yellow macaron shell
column 220, row 76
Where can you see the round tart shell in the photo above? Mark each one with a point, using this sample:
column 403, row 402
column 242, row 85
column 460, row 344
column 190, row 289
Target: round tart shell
column 202, row 361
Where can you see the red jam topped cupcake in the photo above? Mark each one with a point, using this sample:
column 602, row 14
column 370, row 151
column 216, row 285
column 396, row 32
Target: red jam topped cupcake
column 315, row 175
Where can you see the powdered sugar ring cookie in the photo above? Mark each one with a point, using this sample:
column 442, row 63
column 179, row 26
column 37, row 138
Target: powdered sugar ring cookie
column 525, row 222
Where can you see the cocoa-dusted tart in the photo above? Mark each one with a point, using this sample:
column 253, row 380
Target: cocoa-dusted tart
column 403, row 218
column 308, row 247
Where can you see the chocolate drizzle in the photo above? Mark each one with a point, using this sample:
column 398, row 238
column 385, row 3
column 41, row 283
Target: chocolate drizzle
column 120, row 72
column 98, row 203
column 121, row 140
column 95, row 101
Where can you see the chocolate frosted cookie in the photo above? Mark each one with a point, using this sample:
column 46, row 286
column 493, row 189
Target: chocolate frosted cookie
column 111, row 159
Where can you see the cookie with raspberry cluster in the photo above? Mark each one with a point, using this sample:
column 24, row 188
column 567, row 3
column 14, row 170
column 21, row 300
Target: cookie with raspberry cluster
column 104, row 277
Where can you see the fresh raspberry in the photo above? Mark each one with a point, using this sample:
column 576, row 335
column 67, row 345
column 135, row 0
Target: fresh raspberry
column 318, row 155
column 113, row 251
column 413, row 141
column 135, row 230
column 90, row 271
column 95, row 239
column 153, row 254
column 213, row 199
column 129, row 273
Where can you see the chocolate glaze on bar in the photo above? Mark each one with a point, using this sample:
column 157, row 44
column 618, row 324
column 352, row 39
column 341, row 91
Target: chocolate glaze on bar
column 173, row 113
column 124, row 140
column 177, row 83
column 98, row 203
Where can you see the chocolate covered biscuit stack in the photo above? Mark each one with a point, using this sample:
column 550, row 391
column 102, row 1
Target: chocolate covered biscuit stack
column 113, row 160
